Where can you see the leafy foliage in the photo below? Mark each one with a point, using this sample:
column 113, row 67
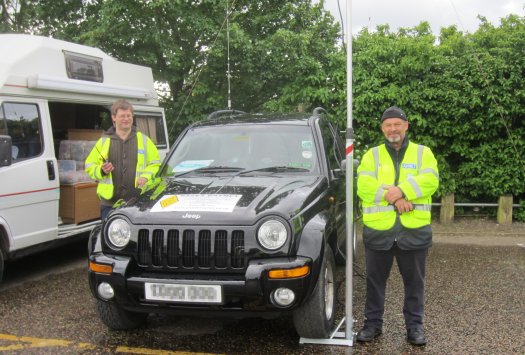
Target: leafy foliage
column 463, row 93
column 186, row 44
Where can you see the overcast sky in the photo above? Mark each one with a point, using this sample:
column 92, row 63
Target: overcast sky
column 439, row 13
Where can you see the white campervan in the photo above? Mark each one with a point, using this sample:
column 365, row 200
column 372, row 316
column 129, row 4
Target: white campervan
column 55, row 100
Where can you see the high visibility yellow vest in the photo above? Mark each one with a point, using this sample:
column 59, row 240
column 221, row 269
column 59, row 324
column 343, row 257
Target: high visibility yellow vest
column 418, row 179
column 148, row 163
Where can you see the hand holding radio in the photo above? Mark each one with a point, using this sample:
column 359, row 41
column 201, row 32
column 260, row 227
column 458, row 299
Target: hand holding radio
column 107, row 167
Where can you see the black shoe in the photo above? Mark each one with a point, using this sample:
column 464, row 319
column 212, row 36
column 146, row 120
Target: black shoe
column 416, row 336
column 368, row 333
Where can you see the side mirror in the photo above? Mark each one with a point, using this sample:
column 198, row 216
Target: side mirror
column 6, row 150
column 338, row 173
column 343, row 164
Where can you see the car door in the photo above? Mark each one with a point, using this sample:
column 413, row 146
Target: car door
column 30, row 191
column 334, row 153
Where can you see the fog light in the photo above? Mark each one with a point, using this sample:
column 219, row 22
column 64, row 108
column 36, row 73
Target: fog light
column 283, row 296
column 105, row 291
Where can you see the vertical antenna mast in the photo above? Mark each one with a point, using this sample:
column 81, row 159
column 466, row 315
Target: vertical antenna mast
column 228, row 45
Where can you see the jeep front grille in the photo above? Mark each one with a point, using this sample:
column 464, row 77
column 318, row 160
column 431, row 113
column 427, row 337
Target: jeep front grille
column 188, row 248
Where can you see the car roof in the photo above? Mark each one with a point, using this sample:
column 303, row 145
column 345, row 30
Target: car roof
column 297, row 119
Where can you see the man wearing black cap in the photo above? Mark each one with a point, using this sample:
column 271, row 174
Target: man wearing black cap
column 395, row 182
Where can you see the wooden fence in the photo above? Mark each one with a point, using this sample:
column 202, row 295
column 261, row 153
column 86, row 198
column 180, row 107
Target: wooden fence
column 504, row 205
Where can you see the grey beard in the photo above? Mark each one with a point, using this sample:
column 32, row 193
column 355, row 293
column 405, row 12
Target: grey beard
column 395, row 139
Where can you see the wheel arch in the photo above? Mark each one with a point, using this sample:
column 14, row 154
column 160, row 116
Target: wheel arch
column 316, row 234
column 5, row 237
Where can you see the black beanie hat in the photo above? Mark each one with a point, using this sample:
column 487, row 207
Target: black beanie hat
column 393, row 112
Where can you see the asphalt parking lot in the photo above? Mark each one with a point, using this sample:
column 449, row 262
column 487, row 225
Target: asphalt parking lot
column 475, row 305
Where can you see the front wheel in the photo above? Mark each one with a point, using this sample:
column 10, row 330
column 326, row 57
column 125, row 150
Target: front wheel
column 116, row 318
column 1, row 264
column 315, row 318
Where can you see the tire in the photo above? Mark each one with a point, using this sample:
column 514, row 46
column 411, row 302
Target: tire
column 1, row 264
column 315, row 317
column 116, row 318
column 340, row 257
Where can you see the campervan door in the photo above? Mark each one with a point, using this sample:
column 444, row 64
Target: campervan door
column 30, row 189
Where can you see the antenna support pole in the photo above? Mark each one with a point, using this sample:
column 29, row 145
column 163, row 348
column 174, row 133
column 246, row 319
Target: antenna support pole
column 228, row 74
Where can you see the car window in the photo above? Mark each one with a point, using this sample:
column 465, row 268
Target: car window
column 21, row 121
column 333, row 148
column 245, row 147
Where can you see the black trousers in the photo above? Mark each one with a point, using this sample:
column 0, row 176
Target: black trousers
column 411, row 264
column 104, row 211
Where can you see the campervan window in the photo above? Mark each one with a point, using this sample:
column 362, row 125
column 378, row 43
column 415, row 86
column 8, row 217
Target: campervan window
column 152, row 126
column 23, row 125
column 83, row 67
column 3, row 124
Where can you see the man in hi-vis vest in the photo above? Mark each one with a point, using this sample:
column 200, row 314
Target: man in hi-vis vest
column 395, row 182
column 123, row 160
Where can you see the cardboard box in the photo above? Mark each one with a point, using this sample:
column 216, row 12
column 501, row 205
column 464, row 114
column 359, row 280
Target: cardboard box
column 75, row 150
column 79, row 203
column 84, row 134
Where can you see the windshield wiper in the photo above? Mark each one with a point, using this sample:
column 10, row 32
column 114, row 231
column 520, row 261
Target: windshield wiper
column 275, row 169
column 211, row 169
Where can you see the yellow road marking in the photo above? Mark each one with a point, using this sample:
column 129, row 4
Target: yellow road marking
column 12, row 347
column 24, row 342
column 143, row 351
column 86, row 346
column 30, row 342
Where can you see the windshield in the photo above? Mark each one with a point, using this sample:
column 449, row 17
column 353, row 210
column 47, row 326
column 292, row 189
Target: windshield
column 244, row 148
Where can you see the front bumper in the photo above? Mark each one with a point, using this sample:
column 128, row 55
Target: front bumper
column 250, row 292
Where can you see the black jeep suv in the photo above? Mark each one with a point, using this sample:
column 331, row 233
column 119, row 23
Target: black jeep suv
column 246, row 217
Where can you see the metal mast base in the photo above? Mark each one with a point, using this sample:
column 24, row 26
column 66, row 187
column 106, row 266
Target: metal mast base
column 337, row 337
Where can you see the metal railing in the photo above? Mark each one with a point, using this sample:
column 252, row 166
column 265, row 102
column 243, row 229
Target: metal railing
column 476, row 204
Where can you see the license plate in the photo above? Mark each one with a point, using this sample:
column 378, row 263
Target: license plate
column 183, row 293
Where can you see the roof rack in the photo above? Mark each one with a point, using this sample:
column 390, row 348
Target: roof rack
column 319, row 110
column 220, row 113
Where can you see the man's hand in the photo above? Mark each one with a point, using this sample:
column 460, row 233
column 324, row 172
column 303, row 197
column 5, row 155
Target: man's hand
column 403, row 205
column 107, row 167
column 393, row 194
column 141, row 181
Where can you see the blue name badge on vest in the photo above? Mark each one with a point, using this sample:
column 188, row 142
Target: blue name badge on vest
column 408, row 166
column 141, row 151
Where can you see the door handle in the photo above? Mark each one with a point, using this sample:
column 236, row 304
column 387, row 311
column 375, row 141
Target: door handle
column 51, row 170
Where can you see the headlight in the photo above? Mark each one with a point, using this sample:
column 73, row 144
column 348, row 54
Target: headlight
column 119, row 232
column 272, row 234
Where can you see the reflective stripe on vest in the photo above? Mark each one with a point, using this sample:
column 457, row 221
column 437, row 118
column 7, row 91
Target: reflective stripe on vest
column 141, row 156
column 391, row 208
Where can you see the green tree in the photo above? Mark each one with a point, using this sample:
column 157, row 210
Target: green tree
column 185, row 42
column 494, row 165
column 59, row 19
column 392, row 68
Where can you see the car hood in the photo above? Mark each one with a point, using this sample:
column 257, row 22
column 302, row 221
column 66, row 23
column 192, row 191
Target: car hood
column 212, row 200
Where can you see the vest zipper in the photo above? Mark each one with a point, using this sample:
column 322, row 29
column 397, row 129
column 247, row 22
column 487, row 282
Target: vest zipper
column 396, row 181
